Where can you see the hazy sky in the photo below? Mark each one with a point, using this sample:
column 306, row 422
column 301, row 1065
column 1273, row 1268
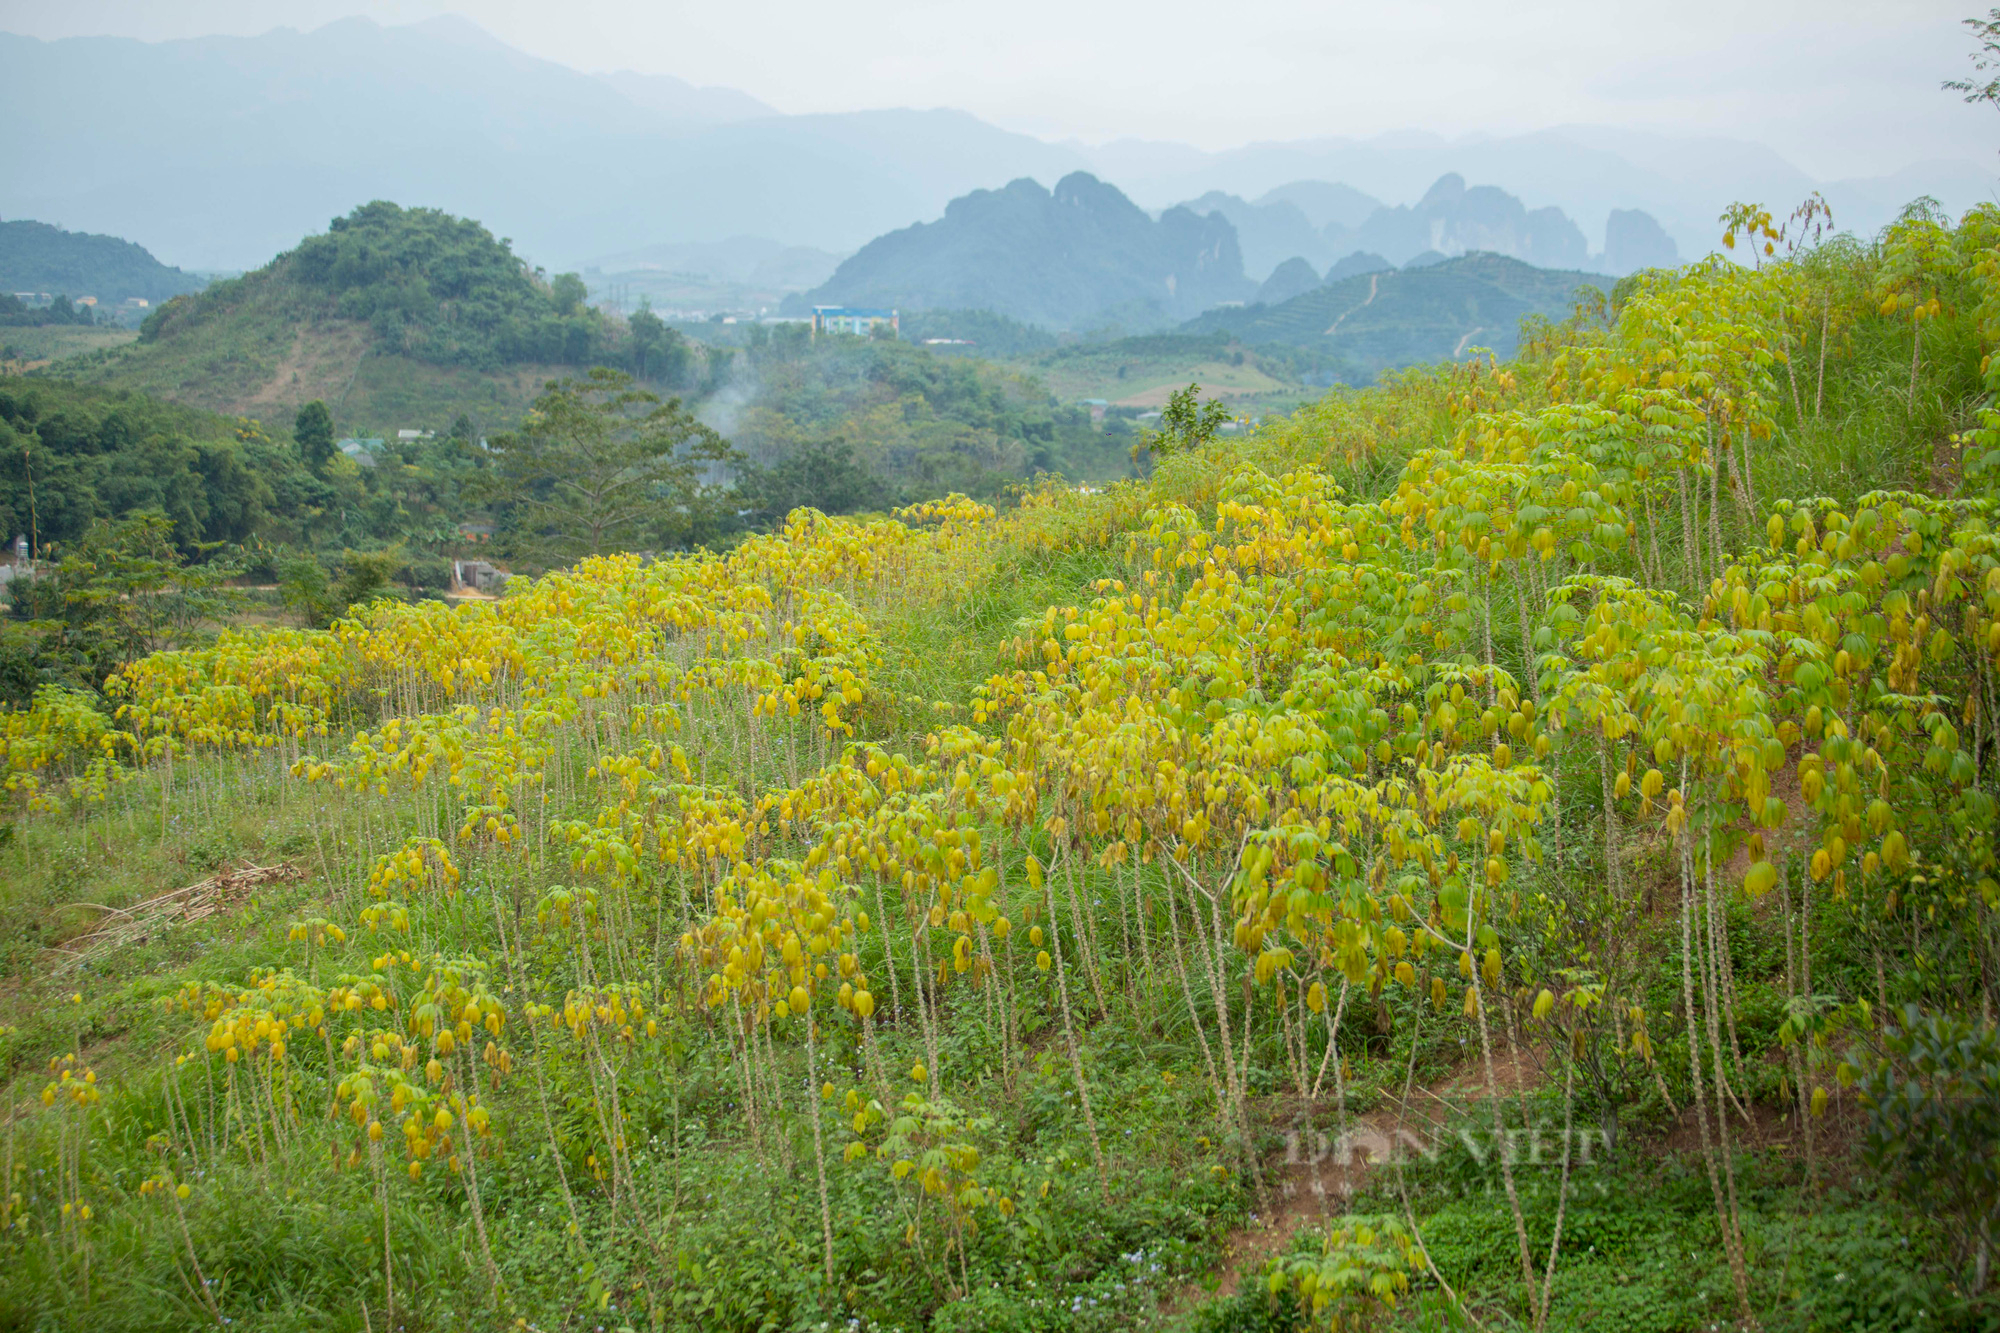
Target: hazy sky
column 1842, row 87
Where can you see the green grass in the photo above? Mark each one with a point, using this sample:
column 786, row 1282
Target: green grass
column 1139, row 373
column 23, row 349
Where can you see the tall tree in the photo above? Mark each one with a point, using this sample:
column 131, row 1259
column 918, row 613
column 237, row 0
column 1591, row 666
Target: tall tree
column 569, row 294
column 655, row 347
column 313, row 429
column 601, row 465
column 1986, row 32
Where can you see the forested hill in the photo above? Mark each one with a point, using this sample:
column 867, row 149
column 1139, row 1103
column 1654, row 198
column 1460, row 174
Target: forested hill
column 390, row 313
column 1078, row 257
column 431, row 286
column 36, row 257
column 71, row 455
column 1362, row 325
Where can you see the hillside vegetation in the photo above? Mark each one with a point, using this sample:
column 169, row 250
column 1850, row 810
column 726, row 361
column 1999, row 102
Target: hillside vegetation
column 35, row 257
column 925, row 425
column 1140, row 373
column 971, row 918
column 391, row 316
column 32, row 347
column 71, row 456
column 1359, row 326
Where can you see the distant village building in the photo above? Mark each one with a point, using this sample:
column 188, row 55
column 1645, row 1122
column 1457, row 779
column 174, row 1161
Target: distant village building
column 405, row 436
column 20, row 567
column 477, row 575
column 1096, row 406
column 361, row 451
column 851, row 319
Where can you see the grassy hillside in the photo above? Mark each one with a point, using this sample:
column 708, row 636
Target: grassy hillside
column 393, row 317
column 270, row 355
column 1140, row 373
column 25, row 349
column 1360, row 326
column 1570, row 779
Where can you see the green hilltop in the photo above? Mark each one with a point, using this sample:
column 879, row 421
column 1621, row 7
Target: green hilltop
column 391, row 316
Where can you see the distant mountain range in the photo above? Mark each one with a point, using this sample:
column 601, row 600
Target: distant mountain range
column 1585, row 170
column 1450, row 219
column 36, row 257
column 219, row 152
column 680, row 100
column 1081, row 256
column 216, row 153
column 1085, row 257
column 744, row 259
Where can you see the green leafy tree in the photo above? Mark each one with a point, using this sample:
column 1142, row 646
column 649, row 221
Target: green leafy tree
column 1986, row 32
column 122, row 592
column 658, row 352
column 319, row 598
column 1187, row 422
column 823, row 475
column 366, row 576
column 600, row 465
column 1933, row 1101
column 568, row 293
column 313, row 429
column 306, row 590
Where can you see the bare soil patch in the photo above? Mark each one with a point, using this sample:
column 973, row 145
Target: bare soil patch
column 320, row 363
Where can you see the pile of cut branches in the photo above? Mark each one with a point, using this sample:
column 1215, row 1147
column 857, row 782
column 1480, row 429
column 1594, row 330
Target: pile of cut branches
column 117, row 927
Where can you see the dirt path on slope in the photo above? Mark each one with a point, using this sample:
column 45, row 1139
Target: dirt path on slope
column 1305, row 1192
column 1374, row 285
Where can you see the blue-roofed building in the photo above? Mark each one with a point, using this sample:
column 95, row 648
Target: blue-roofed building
column 851, row 319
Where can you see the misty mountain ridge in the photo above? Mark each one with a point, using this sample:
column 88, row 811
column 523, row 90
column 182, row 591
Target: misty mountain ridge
column 1080, row 256
column 1450, row 219
column 1324, row 203
column 291, row 128
column 1084, row 256
column 1586, row 170
column 680, row 100
column 743, row 259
